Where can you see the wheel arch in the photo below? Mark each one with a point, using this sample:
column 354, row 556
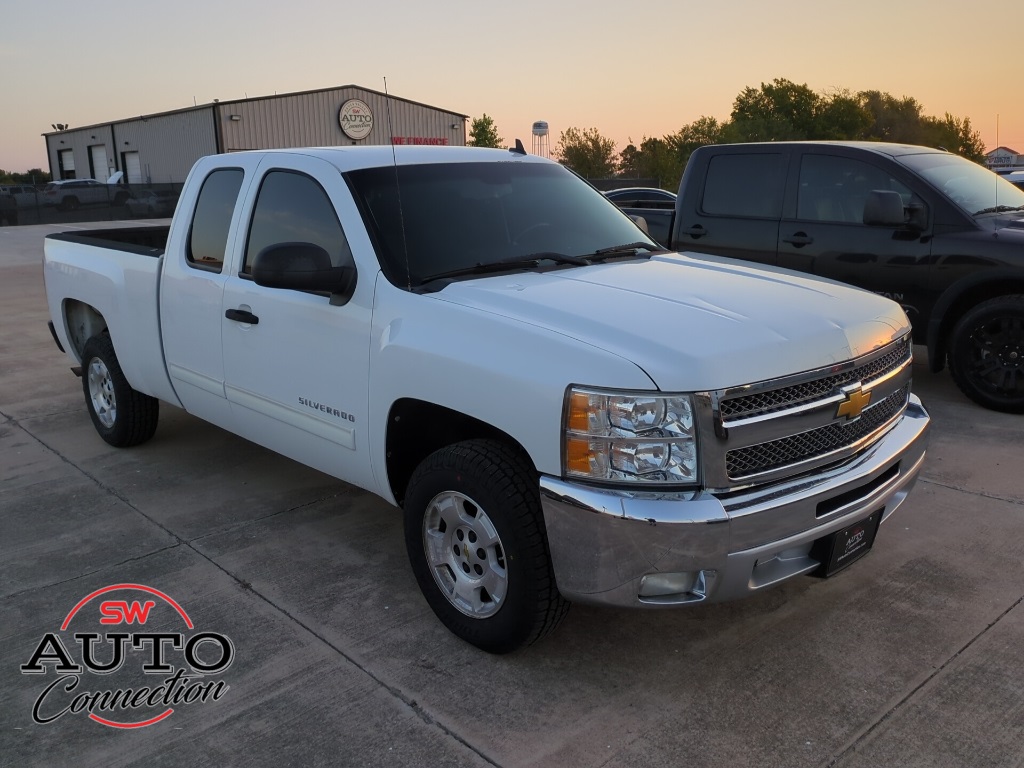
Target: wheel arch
column 417, row 428
column 81, row 322
column 958, row 299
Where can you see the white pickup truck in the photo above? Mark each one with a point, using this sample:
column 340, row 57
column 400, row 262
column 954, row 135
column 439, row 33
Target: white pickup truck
column 564, row 411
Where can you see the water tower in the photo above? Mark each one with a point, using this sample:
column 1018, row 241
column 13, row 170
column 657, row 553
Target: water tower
column 541, row 145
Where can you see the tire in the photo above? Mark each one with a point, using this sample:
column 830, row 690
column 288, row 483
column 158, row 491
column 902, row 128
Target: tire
column 986, row 354
column 122, row 416
column 475, row 536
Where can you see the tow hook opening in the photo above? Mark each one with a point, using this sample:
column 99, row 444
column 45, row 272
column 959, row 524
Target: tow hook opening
column 676, row 588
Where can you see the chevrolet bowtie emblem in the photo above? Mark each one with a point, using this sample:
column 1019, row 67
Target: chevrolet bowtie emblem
column 855, row 402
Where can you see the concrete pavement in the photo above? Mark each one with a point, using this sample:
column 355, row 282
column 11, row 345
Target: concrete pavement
column 915, row 656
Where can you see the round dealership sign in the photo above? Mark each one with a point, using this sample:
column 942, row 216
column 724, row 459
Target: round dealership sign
column 355, row 119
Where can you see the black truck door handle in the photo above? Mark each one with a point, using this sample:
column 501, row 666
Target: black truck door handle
column 695, row 231
column 242, row 316
column 799, row 239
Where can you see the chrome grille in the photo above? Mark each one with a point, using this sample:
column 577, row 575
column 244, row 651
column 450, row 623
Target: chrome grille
column 761, row 403
column 764, row 457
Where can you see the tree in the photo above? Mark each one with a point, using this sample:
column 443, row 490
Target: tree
column 777, row 111
column 703, row 130
column 31, row 176
column 631, row 160
column 892, row 119
column 484, row 133
column 653, row 159
column 587, row 152
column 955, row 135
column 841, row 116
column 664, row 159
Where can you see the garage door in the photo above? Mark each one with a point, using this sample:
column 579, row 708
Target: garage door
column 67, row 163
column 98, row 159
column 132, row 167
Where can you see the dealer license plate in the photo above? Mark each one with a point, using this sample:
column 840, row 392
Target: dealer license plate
column 846, row 546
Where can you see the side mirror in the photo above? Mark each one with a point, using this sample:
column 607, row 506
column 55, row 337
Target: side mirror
column 303, row 267
column 884, row 208
column 641, row 222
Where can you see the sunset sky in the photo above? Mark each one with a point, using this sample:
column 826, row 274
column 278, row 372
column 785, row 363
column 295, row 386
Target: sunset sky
column 628, row 69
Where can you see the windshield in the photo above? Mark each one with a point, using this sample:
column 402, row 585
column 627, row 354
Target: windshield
column 969, row 185
column 461, row 216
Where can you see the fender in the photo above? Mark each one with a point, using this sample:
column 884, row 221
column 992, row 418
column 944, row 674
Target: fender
column 984, row 285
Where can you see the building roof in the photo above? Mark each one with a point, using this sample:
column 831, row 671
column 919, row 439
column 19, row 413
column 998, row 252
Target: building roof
column 218, row 102
column 1005, row 149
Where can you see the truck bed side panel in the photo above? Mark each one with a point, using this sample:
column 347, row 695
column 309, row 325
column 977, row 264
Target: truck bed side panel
column 122, row 287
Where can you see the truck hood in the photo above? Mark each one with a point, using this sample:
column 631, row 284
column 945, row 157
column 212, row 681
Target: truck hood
column 692, row 321
column 1011, row 224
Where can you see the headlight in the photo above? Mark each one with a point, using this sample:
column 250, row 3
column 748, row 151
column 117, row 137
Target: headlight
column 629, row 437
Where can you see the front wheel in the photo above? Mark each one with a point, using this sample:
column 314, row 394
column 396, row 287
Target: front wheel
column 986, row 354
column 123, row 416
column 475, row 537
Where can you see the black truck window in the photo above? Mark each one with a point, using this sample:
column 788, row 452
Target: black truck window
column 836, row 188
column 292, row 207
column 208, row 237
column 745, row 185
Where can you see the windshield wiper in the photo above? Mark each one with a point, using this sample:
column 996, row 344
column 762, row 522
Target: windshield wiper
column 999, row 209
column 627, row 249
column 531, row 261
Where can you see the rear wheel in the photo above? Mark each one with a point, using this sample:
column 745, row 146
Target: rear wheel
column 476, row 541
column 986, row 354
column 122, row 416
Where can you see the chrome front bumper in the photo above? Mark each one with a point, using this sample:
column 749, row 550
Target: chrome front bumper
column 636, row 549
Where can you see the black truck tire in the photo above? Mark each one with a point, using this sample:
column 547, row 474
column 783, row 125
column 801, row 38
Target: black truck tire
column 123, row 416
column 476, row 540
column 986, row 354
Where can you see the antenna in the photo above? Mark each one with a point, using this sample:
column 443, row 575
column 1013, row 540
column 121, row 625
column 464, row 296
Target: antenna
column 398, row 188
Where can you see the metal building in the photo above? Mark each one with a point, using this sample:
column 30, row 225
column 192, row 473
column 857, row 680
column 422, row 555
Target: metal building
column 162, row 147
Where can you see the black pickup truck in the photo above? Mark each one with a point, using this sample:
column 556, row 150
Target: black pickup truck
column 939, row 234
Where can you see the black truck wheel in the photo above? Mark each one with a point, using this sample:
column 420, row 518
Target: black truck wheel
column 986, row 354
column 122, row 415
column 478, row 548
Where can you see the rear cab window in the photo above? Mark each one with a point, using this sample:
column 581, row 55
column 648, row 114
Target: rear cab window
column 208, row 235
column 745, row 185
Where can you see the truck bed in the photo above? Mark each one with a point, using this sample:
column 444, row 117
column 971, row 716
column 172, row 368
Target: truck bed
column 97, row 281
column 148, row 241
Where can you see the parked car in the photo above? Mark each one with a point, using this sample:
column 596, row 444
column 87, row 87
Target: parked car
column 69, row 194
column 939, row 234
column 1016, row 178
column 25, row 195
column 152, row 203
column 642, row 197
column 564, row 410
column 654, row 206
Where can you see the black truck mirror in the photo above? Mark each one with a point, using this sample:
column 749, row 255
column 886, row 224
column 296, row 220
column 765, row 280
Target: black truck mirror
column 884, row 208
column 303, row 267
